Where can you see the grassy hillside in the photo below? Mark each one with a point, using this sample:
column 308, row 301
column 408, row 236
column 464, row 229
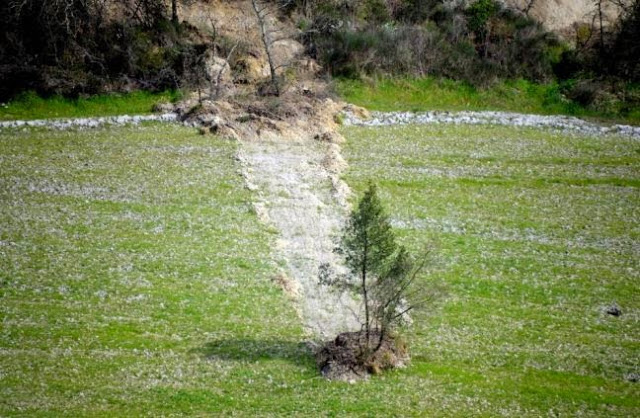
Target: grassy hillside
column 511, row 96
column 536, row 234
column 31, row 106
column 135, row 278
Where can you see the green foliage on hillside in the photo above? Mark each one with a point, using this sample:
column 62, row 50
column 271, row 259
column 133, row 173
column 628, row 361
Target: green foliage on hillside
column 479, row 13
column 83, row 48
column 428, row 93
column 29, row 105
column 483, row 45
column 79, row 48
column 480, row 44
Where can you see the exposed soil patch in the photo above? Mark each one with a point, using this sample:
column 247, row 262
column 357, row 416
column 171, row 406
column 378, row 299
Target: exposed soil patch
column 290, row 159
column 304, row 199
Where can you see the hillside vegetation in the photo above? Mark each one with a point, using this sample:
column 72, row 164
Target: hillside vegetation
column 31, row 106
column 94, row 47
column 522, row 96
column 483, row 44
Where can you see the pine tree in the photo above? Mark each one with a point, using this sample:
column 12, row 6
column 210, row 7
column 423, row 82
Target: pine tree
column 382, row 272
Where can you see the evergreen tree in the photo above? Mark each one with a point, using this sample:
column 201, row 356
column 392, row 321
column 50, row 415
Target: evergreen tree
column 381, row 271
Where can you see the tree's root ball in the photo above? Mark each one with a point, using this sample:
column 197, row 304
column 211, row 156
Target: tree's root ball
column 350, row 358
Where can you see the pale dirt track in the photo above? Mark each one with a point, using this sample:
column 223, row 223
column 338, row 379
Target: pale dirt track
column 300, row 195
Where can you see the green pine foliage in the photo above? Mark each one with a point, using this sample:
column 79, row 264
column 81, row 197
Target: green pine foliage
column 368, row 241
column 385, row 271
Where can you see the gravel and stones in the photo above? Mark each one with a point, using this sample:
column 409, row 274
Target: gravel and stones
column 89, row 122
column 564, row 123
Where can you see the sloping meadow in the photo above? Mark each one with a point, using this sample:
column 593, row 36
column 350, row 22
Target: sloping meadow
column 136, row 279
column 536, row 237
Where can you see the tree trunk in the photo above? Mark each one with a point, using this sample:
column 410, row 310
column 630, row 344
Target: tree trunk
column 381, row 339
column 365, row 294
column 266, row 42
column 601, row 31
column 174, row 12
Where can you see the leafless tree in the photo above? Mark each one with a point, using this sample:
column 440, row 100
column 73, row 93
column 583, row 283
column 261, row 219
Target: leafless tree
column 626, row 6
column 308, row 7
column 528, row 6
column 270, row 34
column 61, row 23
column 215, row 82
column 174, row 12
column 223, row 67
column 598, row 4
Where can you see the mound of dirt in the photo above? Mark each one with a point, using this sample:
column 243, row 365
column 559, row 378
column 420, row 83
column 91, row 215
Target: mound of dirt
column 349, row 357
column 305, row 110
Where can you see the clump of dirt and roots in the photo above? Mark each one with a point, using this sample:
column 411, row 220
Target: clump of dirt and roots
column 256, row 89
column 351, row 357
column 298, row 113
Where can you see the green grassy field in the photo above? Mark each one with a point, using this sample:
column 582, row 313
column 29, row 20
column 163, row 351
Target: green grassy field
column 135, row 278
column 31, row 106
column 511, row 96
column 537, row 232
column 127, row 258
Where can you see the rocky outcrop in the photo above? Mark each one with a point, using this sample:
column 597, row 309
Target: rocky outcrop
column 561, row 15
column 237, row 22
column 556, row 15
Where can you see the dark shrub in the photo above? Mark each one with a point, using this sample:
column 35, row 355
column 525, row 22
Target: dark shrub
column 479, row 45
column 75, row 48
